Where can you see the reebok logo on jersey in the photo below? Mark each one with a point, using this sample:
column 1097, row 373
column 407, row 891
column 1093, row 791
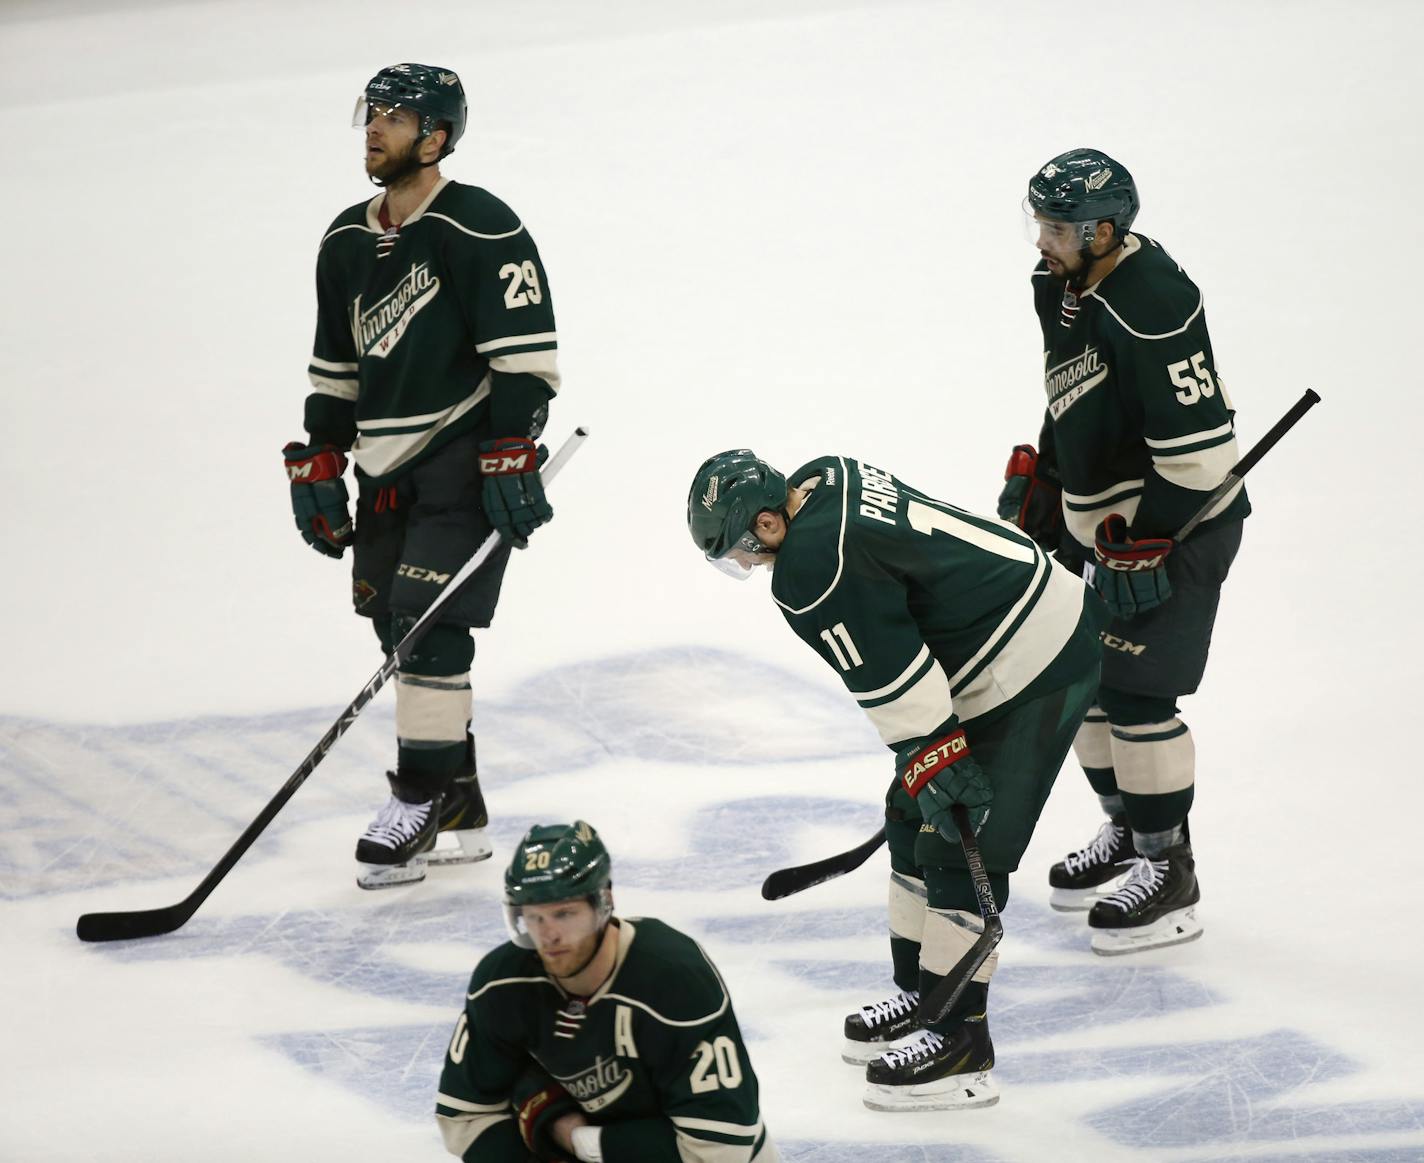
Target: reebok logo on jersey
column 1071, row 380
column 378, row 328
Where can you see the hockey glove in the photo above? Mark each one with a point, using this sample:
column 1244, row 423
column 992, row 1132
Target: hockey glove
column 1032, row 498
column 513, row 491
column 319, row 498
column 1131, row 576
column 539, row 1103
column 942, row 773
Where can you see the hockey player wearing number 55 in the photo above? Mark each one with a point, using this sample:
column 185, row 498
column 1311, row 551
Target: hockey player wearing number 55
column 1138, row 430
column 975, row 657
column 594, row 1037
column 433, row 367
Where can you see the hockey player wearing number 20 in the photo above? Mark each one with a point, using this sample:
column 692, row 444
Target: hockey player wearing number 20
column 433, row 367
column 975, row 657
column 1138, row 430
column 594, row 1037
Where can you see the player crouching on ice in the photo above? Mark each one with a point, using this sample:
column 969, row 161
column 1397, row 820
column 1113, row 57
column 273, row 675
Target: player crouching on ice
column 962, row 640
column 594, row 1037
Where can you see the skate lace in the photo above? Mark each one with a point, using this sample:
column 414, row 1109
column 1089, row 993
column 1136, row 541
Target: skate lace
column 1143, row 879
column 397, row 822
column 926, row 1042
column 1098, row 852
column 892, row 1007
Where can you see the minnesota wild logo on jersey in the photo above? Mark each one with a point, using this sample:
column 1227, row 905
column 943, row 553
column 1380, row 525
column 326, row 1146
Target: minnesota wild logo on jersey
column 418, row 325
column 926, row 611
column 1138, row 420
column 655, row 1057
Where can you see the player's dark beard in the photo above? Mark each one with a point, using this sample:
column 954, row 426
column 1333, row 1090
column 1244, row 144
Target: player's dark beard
column 395, row 169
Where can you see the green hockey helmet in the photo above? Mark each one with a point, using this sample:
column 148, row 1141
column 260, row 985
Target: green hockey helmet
column 1082, row 187
column 557, row 862
column 434, row 93
column 727, row 493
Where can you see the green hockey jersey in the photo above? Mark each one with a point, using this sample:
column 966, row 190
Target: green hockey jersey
column 426, row 331
column 654, row 1057
column 1138, row 420
column 931, row 615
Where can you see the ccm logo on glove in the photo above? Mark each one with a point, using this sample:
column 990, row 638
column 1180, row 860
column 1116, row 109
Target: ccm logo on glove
column 932, row 759
column 508, row 455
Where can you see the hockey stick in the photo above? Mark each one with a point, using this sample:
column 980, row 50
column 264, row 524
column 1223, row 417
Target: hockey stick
column 152, row 922
column 939, row 1000
column 788, row 881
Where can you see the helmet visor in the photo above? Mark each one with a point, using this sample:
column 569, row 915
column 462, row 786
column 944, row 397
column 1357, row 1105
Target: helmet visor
column 1053, row 234
column 367, row 111
column 742, row 557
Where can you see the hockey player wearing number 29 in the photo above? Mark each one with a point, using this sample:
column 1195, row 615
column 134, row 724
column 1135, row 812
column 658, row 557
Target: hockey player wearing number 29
column 1138, row 430
column 594, row 1037
column 975, row 656
column 433, row 366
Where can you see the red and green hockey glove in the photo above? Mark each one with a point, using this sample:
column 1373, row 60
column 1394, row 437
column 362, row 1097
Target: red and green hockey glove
column 540, row 1102
column 1032, row 497
column 513, row 491
column 942, row 773
column 319, row 498
column 1131, row 576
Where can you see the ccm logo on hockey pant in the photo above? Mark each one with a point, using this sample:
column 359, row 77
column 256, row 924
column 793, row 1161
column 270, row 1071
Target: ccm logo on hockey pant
column 923, row 765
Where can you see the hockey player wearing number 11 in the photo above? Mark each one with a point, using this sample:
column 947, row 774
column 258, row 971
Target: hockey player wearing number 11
column 975, row 656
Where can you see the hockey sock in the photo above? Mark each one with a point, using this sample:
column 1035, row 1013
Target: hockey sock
column 907, row 922
column 1093, row 747
column 1153, row 844
column 1111, row 804
column 973, row 1002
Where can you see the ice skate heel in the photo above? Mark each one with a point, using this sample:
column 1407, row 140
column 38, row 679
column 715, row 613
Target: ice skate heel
column 463, row 818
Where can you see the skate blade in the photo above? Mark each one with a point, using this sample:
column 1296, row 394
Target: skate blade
column 374, row 876
column 961, row 1092
column 1175, row 928
column 465, row 847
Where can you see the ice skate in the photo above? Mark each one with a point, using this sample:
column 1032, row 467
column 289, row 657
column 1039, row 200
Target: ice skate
column 1155, row 906
column 392, row 851
column 932, row 1072
column 1083, row 877
column 461, row 835
column 878, row 1027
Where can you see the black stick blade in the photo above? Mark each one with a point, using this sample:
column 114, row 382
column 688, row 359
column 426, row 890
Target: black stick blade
column 788, row 881
column 132, row 926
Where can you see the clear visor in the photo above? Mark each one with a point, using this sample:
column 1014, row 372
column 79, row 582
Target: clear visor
column 367, row 111
column 1054, row 235
column 568, row 930
column 742, row 559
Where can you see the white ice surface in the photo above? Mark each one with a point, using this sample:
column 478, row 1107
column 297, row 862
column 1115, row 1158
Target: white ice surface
column 793, row 226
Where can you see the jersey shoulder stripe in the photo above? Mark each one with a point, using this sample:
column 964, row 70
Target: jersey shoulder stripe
column 829, row 531
column 1147, row 294
column 473, row 211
